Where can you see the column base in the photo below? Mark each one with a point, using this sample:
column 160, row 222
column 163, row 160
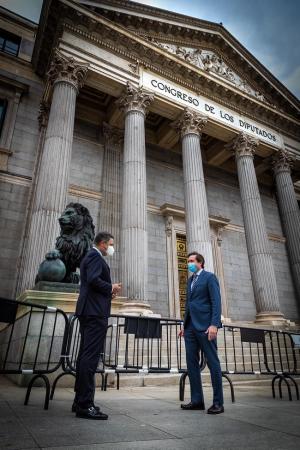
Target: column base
column 136, row 308
column 226, row 320
column 272, row 318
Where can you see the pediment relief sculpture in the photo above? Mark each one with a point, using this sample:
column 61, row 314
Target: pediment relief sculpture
column 212, row 63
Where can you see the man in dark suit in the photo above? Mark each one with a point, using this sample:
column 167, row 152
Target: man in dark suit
column 201, row 322
column 93, row 310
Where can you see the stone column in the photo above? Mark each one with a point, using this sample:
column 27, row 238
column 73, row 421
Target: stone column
column 110, row 213
column 260, row 258
column 190, row 125
column 289, row 212
column 219, row 268
column 50, row 197
column 134, row 237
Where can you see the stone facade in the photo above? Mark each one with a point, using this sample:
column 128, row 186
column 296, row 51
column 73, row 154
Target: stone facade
column 145, row 177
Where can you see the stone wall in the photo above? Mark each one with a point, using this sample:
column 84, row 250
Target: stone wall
column 15, row 181
column 165, row 185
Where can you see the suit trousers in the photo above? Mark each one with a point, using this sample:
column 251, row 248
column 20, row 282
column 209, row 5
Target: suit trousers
column 93, row 332
column 196, row 341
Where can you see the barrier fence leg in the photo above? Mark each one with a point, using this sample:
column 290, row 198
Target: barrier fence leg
column 118, row 381
column 56, row 380
column 182, row 386
column 282, row 378
column 102, row 382
column 231, row 386
column 47, row 386
column 273, row 384
column 295, row 384
column 105, row 382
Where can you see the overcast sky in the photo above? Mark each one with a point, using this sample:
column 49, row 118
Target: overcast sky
column 269, row 29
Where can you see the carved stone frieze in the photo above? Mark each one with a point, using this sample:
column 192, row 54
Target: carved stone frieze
column 210, row 62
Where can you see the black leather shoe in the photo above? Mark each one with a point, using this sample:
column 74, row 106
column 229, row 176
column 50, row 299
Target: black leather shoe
column 90, row 413
column 215, row 409
column 191, row 406
column 74, row 407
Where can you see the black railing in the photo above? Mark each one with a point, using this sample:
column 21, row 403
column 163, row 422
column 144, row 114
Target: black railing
column 32, row 341
column 38, row 340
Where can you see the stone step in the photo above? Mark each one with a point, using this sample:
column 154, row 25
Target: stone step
column 139, row 380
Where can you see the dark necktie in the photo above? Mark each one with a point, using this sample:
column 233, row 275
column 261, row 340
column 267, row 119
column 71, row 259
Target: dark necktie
column 194, row 280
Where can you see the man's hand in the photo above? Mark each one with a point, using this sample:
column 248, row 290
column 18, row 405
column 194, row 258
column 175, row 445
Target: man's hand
column 181, row 333
column 116, row 289
column 212, row 332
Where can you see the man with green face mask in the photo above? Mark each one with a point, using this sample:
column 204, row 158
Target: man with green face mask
column 201, row 322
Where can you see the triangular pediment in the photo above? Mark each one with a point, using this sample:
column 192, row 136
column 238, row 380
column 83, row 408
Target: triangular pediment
column 220, row 53
column 202, row 56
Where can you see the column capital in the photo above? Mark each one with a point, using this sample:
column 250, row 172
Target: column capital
column 135, row 99
column 113, row 136
column 243, row 145
column 67, row 69
column 190, row 122
column 282, row 162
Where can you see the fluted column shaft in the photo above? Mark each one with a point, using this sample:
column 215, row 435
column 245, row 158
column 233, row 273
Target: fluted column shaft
column 289, row 212
column 134, row 236
column 110, row 214
column 190, row 125
column 260, row 258
column 53, row 178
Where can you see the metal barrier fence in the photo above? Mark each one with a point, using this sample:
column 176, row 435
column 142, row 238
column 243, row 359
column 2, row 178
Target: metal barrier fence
column 133, row 345
column 252, row 351
column 32, row 341
column 38, row 340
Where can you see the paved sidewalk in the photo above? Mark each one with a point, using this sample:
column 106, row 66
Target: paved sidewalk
column 148, row 418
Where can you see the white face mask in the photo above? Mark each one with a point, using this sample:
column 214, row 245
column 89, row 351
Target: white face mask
column 110, row 250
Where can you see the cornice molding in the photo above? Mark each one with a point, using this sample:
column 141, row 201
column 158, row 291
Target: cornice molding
column 184, row 69
column 194, row 28
column 87, row 23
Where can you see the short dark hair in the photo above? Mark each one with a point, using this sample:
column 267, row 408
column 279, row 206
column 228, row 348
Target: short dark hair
column 199, row 258
column 103, row 236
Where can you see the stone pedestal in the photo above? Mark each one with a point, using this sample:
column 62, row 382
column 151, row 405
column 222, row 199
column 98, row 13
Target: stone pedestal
column 260, row 258
column 289, row 212
column 134, row 237
column 190, row 125
column 50, row 196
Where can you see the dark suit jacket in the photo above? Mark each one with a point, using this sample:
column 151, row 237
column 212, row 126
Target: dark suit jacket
column 203, row 303
column 95, row 286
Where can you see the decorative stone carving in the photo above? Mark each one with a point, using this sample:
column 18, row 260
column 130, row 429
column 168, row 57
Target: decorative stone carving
column 135, row 66
column 282, row 162
column 190, row 122
column 76, row 237
column 135, row 99
column 43, row 116
column 67, row 69
column 244, row 145
column 169, row 225
column 210, row 62
column 113, row 136
column 77, row 233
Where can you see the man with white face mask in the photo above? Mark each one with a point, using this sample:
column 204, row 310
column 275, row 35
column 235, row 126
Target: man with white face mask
column 93, row 310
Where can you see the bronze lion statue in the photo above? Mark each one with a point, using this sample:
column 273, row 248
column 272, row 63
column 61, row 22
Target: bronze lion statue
column 76, row 237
